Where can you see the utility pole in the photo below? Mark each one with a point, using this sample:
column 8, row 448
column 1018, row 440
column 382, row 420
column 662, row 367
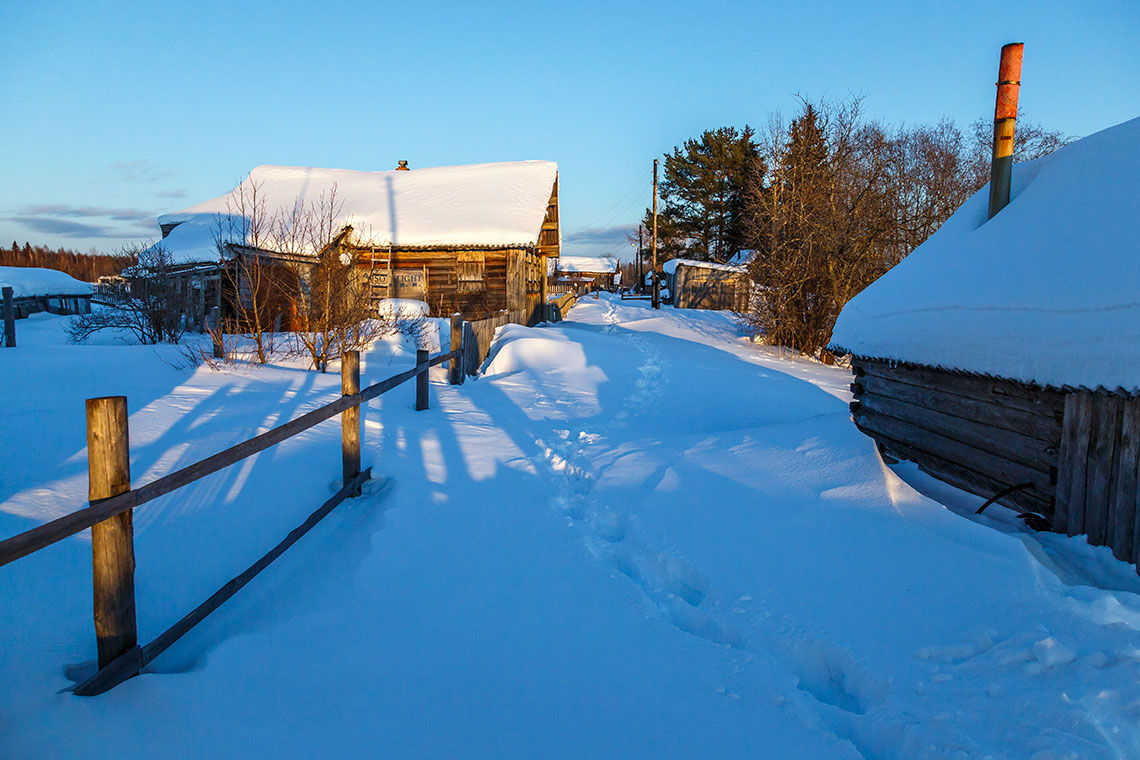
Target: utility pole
column 640, row 254
column 656, row 285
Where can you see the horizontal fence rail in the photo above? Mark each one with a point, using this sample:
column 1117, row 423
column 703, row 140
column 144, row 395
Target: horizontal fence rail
column 112, row 500
column 52, row 532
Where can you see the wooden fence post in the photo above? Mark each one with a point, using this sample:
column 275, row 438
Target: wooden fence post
column 112, row 540
column 9, row 319
column 422, row 380
column 455, row 366
column 350, row 418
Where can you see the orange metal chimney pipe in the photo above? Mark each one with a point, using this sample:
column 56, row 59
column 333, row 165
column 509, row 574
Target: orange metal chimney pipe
column 1005, row 119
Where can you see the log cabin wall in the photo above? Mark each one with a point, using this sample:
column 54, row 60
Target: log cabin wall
column 980, row 434
column 1078, row 450
column 476, row 282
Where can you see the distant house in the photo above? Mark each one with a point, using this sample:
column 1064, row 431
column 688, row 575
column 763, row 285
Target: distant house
column 584, row 274
column 471, row 239
column 1001, row 355
column 707, row 285
column 37, row 290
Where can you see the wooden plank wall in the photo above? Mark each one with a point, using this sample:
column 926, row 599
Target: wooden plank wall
column 549, row 236
column 980, row 434
column 701, row 288
column 441, row 266
column 1097, row 476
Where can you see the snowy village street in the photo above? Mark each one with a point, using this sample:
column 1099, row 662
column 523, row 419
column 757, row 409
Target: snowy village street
column 635, row 535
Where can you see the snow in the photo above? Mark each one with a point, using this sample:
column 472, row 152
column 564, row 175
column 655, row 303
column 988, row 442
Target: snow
column 1046, row 292
column 592, row 264
column 402, row 308
column 478, row 204
column 637, row 534
column 670, row 266
column 34, row 281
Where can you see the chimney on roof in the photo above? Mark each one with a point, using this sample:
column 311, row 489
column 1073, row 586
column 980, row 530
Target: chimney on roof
column 1005, row 119
column 402, row 166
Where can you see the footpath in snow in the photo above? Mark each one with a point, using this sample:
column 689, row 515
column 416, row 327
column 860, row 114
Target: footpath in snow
column 636, row 535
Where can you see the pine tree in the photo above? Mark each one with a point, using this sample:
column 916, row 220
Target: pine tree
column 703, row 190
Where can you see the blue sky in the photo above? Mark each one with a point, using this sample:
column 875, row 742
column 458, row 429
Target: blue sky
column 115, row 112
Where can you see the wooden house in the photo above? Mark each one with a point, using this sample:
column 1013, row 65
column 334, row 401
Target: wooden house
column 707, row 285
column 583, row 274
column 1001, row 355
column 470, row 239
column 36, row 290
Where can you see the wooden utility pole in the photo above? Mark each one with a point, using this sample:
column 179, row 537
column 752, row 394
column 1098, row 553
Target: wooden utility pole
column 656, row 284
column 112, row 540
column 640, row 253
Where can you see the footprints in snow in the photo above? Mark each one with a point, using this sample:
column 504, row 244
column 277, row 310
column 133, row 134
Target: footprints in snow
column 674, row 587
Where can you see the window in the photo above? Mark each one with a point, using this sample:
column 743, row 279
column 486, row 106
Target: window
column 470, row 268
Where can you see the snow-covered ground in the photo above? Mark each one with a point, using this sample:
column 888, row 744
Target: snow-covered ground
column 637, row 535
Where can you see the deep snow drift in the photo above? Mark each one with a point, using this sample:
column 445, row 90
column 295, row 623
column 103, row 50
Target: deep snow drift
column 637, row 535
column 36, row 281
column 1047, row 292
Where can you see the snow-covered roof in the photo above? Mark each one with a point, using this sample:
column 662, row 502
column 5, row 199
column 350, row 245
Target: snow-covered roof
column 479, row 204
column 34, row 281
column 587, row 264
column 670, row 266
column 1046, row 292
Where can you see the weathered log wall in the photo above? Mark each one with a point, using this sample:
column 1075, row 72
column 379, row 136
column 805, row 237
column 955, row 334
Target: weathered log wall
column 980, row 434
column 1078, row 451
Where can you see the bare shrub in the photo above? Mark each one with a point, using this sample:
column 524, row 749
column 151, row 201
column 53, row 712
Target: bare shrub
column 148, row 302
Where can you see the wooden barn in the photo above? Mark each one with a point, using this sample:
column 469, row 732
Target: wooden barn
column 36, row 290
column 1001, row 355
column 470, row 239
column 707, row 285
column 584, row 274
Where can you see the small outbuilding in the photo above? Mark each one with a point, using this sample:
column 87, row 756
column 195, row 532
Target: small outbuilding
column 471, row 239
column 37, row 290
column 1001, row 355
column 707, row 285
column 581, row 274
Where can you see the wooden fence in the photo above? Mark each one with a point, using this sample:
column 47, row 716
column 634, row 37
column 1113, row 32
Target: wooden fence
column 113, row 500
column 478, row 336
column 560, row 307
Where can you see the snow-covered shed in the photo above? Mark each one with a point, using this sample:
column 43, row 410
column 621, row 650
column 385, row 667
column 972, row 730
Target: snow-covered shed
column 707, row 284
column 471, row 239
column 585, row 273
column 1001, row 355
column 35, row 289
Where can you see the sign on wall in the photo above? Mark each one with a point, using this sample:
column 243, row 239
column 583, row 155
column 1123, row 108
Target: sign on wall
column 407, row 283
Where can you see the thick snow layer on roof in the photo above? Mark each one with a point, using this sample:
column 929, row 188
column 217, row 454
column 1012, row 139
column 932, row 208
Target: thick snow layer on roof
column 478, row 204
column 587, row 264
column 1046, row 292
column 670, row 266
column 33, row 281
